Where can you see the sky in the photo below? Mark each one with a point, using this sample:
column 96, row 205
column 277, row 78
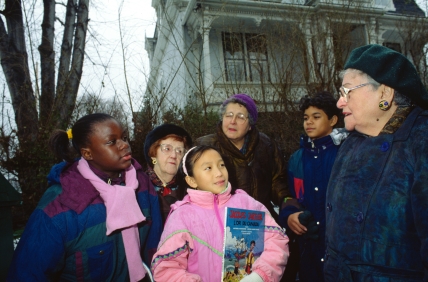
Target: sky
column 423, row 4
column 104, row 73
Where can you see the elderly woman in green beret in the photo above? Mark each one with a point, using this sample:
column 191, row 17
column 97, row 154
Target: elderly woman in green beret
column 377, row 198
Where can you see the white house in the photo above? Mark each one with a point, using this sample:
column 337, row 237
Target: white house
column 274, row 50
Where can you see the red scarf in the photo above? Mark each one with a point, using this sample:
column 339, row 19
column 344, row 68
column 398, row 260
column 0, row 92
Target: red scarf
column 163, row 190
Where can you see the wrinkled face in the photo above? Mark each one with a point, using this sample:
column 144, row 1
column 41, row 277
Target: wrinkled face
column 316, row 123
column 168, row 159
column 209, row 173
column 108, row 149
column 232, row 128
column 361, row 110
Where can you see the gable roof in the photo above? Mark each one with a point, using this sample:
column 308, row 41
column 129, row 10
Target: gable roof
column 408, row 7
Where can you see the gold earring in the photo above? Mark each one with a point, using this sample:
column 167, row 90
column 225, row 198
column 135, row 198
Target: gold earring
column 154, row 161
column 384, row 105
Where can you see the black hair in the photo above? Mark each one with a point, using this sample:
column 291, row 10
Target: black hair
column 322, row 100
column 191, row 158
column 59, row 142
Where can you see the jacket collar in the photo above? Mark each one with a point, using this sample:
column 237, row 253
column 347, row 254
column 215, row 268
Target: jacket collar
column 404, row 130
column 336, row 137
column 320, row 143
column 234, row 152
column 77, row 192
column 204, row 199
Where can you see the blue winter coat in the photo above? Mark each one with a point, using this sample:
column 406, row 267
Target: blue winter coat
column 65, row 237
column 309, row 170
column 377, row 206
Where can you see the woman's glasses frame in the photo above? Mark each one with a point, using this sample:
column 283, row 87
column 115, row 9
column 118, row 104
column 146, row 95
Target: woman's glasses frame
column 240, row 117
column 168, row 148
column 344, row 92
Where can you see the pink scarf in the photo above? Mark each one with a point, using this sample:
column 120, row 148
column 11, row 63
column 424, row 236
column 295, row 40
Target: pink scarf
column 123, row 213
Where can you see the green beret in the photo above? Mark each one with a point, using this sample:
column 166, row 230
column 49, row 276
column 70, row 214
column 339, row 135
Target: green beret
column 391, row 68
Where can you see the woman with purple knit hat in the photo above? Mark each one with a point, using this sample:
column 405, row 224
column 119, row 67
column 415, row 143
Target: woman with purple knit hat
column 254, row 161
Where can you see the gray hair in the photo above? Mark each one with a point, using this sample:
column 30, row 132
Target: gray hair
column 235, row 101
column 399, row 99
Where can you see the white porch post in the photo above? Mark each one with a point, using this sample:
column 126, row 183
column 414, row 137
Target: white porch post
column 306, row 29
column 205, row 31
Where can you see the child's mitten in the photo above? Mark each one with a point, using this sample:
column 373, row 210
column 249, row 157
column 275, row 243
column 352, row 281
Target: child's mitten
column 308, row 221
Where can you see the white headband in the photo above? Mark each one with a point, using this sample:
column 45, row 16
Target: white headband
column 184, row 161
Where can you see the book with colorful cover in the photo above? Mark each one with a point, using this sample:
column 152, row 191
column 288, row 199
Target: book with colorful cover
column 243, row 242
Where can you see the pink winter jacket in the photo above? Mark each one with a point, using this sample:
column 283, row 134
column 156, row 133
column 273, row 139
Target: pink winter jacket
column 191, row 245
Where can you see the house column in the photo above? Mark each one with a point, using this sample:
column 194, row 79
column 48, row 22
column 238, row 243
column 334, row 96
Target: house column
column 325, row 53
column 329, row 48
column 372, row 33
column 205, row 32
column 208, row 79
column 381, row 31
column 306, row 30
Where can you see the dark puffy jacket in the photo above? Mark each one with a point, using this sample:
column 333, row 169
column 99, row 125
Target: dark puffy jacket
column 309, row 170
column 261, row 172
column 377, row 204
column 65, row 237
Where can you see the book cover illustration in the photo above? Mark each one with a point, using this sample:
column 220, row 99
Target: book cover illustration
column 243, row 242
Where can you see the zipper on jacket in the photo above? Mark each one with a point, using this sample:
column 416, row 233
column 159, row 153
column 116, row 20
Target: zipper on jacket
column 217, row 213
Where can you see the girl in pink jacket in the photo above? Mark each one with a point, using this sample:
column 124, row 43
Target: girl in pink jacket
column 192, row 241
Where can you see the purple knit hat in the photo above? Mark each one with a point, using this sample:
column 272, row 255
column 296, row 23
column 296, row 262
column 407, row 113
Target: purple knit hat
column 245, row 100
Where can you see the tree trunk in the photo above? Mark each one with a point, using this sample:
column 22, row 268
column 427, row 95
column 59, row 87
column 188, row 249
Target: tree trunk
column 14, row 61
column 69, row 75
column 47, row 59
column 32, row 160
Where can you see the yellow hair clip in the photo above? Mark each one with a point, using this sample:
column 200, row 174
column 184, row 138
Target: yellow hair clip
column 69, row 134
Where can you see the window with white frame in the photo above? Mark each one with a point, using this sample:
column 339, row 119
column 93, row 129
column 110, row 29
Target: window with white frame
column 245, row 57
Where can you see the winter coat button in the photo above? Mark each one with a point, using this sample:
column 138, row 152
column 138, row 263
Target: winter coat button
column 316, row 188
column 360, row 217
column 329, row 207
column 101, row 252
column 384, row 147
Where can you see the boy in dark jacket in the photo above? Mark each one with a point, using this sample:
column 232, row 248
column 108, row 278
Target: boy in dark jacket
column 308, row 175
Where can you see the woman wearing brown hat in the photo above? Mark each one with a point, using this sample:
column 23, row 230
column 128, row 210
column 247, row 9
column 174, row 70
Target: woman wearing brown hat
column 377, row 198
column 164, row 148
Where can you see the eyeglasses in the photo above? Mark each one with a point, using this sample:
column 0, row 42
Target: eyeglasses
column 167, row 149
column 240, row 117
column 344, row 92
